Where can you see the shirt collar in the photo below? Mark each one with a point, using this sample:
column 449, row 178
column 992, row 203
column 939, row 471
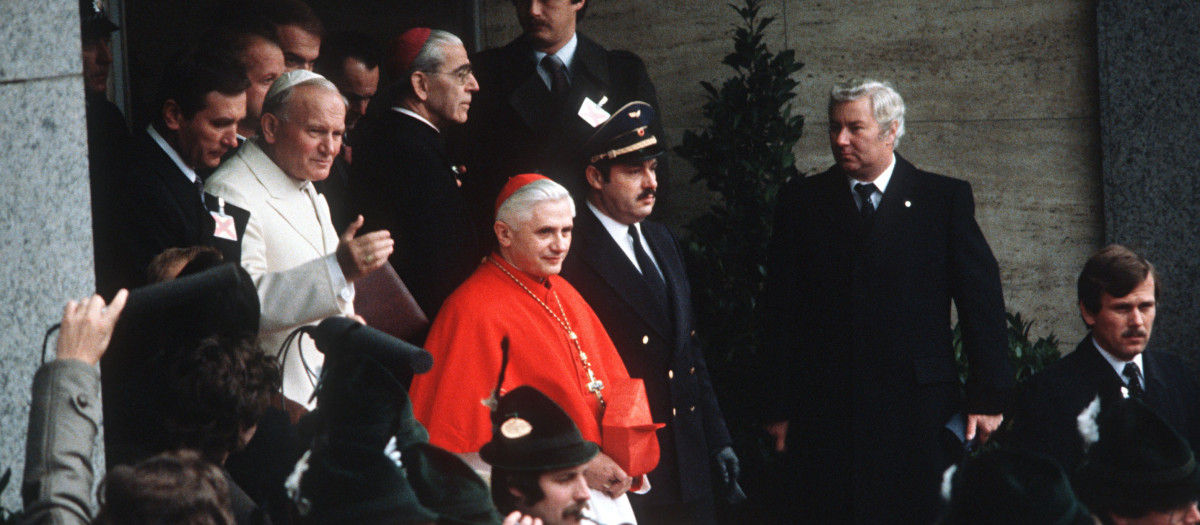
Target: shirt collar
column 162, row 143
column 1119, row 365
column 880, row 182
column 414, row 114
column 616, row 229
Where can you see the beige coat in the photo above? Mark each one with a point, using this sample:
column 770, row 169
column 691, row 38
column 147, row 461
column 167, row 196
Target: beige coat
column 288, row 248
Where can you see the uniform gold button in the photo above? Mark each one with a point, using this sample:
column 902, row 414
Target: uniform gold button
column 672, row 411
column 693, row 333
column 693, row 370
column 693, row 409
column 645, row 339
column 670, row 374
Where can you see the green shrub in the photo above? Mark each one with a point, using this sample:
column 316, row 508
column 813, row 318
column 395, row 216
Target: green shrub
column 1027, row 356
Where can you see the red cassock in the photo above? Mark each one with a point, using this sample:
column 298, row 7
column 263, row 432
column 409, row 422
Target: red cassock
column 465, row 343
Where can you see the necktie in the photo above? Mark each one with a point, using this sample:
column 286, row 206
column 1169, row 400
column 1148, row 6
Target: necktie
column 199, row 184
column 558, row 76
column 649, row 271
column 1133, row 373
column 864, row 191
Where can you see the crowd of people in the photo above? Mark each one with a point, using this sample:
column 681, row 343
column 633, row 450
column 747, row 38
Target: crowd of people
column 550, row 370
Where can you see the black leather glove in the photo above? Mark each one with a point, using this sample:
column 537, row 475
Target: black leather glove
column 726, row 463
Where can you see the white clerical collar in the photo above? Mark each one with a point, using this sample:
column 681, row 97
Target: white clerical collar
column 620, row 233
column 414, row 114
column 162, row 143
column 566, row 54
column 880, row 182
column 1119, row 365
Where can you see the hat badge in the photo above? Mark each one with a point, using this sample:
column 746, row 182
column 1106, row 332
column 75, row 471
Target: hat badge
column 635, row 114
column 641, row 132
column 515, row 428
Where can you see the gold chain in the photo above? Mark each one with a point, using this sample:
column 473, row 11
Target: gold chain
column 594, row 385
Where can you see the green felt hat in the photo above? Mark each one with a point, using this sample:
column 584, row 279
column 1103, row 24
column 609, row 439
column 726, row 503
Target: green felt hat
column 1138, row 463
column 351, row 483
column 531, row 432
column 1006, row 486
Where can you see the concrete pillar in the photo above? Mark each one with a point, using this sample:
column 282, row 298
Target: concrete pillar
column 1148, row 51
column 45, row 211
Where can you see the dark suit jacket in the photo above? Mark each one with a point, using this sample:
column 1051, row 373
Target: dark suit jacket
column 659, row 346
column 1046, row 406
column 157, row 208
column 514, row 128
column 860, row 334
column 404, row 183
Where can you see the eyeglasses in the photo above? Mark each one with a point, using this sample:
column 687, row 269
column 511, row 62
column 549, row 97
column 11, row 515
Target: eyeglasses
column 461, row 75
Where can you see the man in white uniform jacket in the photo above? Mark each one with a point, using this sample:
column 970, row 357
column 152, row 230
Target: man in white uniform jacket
column 303, row 271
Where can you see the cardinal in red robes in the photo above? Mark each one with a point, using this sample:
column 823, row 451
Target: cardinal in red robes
column 556, row 342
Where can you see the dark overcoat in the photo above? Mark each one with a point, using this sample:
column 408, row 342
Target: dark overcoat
column 860, row 337
column 659, row 346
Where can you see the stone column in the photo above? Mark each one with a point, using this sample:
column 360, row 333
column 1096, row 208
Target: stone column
column 45, row 209
column 1149, row 51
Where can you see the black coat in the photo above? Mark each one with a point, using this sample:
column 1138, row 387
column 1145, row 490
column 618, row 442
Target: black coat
column 403, row 182
column 109, row 145
column 513, row 127
column 158, row 208
column 155, row 208
column 860, row 335
column 1046, row 406
column 659, row 346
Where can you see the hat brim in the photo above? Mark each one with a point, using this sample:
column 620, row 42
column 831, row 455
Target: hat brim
column 569, row 456
column 1116, row 494
column 652, row 151
column 100, row 27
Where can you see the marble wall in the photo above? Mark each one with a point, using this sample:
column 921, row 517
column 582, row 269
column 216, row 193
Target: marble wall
column 999, row 92
column 45, row 214
column 1148, row 51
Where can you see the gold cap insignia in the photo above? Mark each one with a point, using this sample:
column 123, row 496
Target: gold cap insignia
column 515, row 428
column 635, row 114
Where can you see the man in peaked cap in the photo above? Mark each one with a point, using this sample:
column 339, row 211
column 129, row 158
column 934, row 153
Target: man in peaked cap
column 108, row 136
column 631, row 271
column 1137, row 469
column 538, row 457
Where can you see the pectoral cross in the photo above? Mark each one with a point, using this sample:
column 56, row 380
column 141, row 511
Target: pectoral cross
column 595, row 385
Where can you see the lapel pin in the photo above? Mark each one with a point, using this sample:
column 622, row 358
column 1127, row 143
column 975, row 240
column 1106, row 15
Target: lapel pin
column 907, row 204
